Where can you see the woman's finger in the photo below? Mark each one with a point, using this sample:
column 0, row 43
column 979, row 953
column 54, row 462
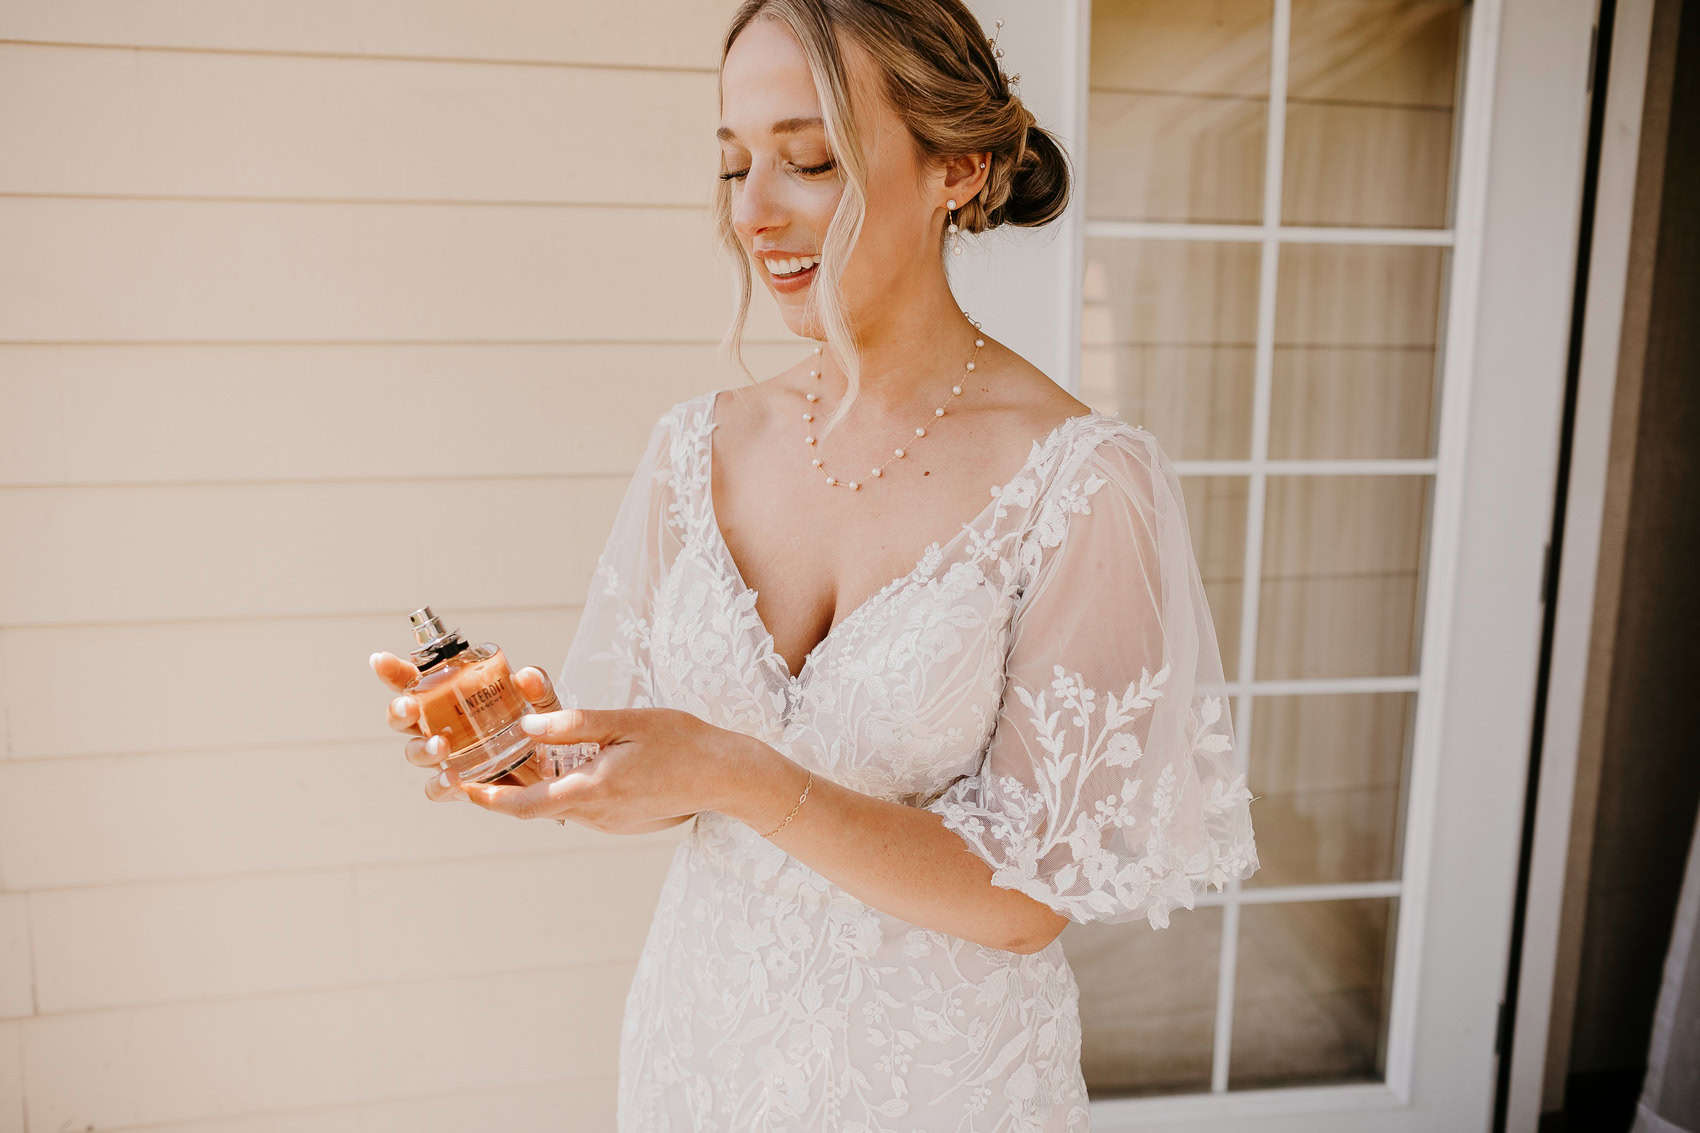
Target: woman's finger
column 550, row 798
column 534, row 684
column 397, row 672
column 403, row 715
column 426, row 751
column 445, row 785
column 580, row 725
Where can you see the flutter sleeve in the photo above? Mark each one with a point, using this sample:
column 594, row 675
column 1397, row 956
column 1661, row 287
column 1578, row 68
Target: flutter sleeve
column 608, row 663
column 1107, row 790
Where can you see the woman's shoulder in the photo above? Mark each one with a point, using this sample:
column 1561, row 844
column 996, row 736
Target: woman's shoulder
column 1075, row 439
column 1094, row 467
column 675, row 432
column 691, row 411
column 739, row 408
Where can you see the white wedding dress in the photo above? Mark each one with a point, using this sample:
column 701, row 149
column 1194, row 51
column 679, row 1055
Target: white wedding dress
column 1046, row 680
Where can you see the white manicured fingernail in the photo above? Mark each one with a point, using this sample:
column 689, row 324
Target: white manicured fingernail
column 533, row 724
column 373, row 660
column 434, row 745
column 443, row 778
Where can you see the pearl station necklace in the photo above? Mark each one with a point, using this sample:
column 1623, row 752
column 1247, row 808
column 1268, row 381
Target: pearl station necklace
column 898, row 453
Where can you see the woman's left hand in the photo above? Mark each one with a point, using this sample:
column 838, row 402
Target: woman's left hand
column 654, row 763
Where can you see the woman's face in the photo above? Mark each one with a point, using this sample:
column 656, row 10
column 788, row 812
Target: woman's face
column 786, row 183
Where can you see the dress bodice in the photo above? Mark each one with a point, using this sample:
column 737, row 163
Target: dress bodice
column 899, row 697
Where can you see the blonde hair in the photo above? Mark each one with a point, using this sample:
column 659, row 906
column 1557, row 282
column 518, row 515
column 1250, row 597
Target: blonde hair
column 941, row 77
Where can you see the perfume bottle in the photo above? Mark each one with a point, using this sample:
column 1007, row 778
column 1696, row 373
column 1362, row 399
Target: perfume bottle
column 467, row 695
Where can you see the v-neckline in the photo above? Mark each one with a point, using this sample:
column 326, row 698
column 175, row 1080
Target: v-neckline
column 1035, row 450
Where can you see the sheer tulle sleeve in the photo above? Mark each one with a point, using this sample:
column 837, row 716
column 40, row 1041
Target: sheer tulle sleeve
column 1107, row 789
column 607, row 665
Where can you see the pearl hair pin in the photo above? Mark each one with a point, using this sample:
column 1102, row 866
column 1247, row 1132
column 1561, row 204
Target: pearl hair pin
column 997, row 53
column 920, row 430
column 1011, row 81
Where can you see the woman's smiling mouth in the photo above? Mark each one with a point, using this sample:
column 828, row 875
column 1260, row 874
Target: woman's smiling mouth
column 790, row 273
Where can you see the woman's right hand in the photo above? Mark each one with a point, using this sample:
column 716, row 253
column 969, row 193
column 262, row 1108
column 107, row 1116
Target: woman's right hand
column 403, row 716
column 533, row 684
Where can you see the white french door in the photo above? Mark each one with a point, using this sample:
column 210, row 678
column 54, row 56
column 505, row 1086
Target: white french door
column 1321, row 248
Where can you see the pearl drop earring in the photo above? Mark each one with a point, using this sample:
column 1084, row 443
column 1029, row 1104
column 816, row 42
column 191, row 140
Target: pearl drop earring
column 955, row 236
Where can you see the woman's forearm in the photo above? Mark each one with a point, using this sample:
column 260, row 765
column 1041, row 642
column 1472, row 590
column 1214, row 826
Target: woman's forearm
column 900, row 859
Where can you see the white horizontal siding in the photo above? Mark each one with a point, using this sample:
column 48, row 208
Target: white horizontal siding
column 230, row 937
column 211, row 696
column 312, row 314
column 106, row 270
column 341, row 1047
column 218, row 414
column 546, row 1107
column 171, row 123
column 638, row 33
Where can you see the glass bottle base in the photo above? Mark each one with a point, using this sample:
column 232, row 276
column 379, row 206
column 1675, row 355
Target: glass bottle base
column 493, row 756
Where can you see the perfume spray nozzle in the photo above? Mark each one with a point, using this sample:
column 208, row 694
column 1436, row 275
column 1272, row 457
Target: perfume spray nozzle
column 427, row 627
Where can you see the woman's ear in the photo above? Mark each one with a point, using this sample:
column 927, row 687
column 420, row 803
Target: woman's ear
column 965, row 175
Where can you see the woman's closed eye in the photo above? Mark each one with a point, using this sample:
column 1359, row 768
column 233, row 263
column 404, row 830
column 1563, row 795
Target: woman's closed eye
column 809, row 170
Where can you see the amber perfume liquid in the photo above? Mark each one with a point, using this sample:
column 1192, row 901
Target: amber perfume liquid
column 466, row 695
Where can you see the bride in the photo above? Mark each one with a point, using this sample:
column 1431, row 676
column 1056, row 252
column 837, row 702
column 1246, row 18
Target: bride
column 914, row 639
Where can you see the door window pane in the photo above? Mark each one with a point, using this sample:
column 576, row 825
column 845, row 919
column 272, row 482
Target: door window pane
column 1342, row 576
column 1357, row 332
column 1178, row 109
column 1147, row 1004
column 1329, row 772
column 1216, row 515
column 1169, row 334
column 1370, row 113
column 1311, row 993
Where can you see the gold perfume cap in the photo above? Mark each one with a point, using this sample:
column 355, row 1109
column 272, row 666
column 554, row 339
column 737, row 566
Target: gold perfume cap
column 427, row 627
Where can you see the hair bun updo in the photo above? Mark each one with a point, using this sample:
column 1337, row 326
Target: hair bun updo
column 1039, row 184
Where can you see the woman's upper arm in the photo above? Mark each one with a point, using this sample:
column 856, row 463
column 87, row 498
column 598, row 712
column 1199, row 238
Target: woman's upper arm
column 1108, row 790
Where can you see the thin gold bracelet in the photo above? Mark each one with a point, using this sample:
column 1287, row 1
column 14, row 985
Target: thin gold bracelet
column 794, row 809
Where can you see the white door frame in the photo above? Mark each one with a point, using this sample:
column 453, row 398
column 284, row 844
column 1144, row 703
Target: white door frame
column 1507, row 314
column 1544, row 966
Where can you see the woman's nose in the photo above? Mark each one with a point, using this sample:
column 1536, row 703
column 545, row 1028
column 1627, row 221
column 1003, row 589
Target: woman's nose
column 755, row 205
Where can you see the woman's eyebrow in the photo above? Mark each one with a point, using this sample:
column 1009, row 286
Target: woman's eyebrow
column 783, row 126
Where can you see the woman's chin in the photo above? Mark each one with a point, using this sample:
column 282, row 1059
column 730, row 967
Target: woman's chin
column 798, row 320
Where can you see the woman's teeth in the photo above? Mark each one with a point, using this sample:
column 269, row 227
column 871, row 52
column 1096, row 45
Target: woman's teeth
column 781, row 268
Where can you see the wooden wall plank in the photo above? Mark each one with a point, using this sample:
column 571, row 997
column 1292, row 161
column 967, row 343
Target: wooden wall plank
column 588, row 1102
column 107, row 820
column 228, row 937
column 127, row 554
column 207, row 939
column 127, row 1067
column 638, row 33
column 203, row 699
column 285, row 126
column 345, row 412
column 80, row 270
